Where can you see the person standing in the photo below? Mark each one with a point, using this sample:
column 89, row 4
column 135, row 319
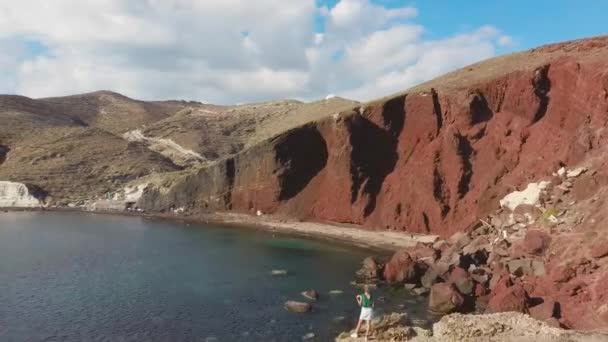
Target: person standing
column 366, row 302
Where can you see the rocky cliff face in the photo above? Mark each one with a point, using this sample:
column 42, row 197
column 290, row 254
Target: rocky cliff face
column 18, row 195
column 431, row 160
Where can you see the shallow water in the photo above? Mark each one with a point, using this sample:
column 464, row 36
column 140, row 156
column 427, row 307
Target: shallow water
column 86, row 277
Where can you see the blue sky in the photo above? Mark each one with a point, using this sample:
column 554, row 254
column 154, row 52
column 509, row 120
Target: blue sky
column 530, row 23
column 245, row 50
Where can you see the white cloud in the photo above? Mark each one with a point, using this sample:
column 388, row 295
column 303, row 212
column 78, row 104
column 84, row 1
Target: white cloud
column 435, row 58
column 505, row 40
column 225, row 51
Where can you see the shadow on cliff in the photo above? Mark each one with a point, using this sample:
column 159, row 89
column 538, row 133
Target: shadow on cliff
column 374, row 151
column 301, row 154
column 3, row 153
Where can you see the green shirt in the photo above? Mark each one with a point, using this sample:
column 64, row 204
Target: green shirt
column 366, row 302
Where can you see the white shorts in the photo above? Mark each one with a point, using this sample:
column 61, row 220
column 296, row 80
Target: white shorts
column 366, row 314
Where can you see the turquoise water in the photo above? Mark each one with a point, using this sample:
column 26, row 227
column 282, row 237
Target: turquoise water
column 85, row 277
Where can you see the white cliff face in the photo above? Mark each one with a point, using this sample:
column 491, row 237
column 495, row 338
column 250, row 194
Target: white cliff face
column 120, row 201
column 17, row 195
column 133, row 194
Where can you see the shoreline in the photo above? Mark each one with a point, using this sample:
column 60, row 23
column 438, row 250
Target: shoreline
column 351, row 235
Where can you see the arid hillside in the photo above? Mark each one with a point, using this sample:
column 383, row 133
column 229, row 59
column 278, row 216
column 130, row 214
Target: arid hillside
column 82, row 147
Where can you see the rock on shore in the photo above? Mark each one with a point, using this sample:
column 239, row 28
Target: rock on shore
column 500, row 327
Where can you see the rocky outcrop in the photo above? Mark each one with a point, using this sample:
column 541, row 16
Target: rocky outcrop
column 18, row 195
column 502, row 327
column 505, row 327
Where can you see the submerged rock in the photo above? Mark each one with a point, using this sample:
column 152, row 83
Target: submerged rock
column 278, row 272
column 311, row 294
column 295, row 306
column 308, row 336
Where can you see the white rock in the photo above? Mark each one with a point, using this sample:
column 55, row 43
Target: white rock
column 530, row 196
column 561, row 172
column 259, row 213
column 576, row 172
column 308, row 336
column 278, row 272
column 134, row 193
column 17, row 195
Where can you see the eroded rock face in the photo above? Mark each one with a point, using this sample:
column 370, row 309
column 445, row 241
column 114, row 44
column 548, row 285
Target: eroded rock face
column 17, row 195
column 432, row 160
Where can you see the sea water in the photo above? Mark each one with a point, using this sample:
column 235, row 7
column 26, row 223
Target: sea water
column 88, row 277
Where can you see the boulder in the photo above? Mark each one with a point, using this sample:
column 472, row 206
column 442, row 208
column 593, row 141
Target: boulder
column 419, row 291
column 526, row 213
column 576, row 172
column 480, row 290
column 530, row 195
column 462, row 280
column 538, row 268
column 311, row 294
column 513, row 298
column 429, row 278
column 520, row 267
column 536, row 242
column 599, row 250
column 478, row 244
column 445, row 299
column 450, row 256
column 459, row 239
column 441, row 268
column 480, row 276
column 561, row 274
column 545, row 310
column 371, row 269
column 409, row 287
column 400, row 269
column 295, row 306
column 422, row 252
column 500, row 282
